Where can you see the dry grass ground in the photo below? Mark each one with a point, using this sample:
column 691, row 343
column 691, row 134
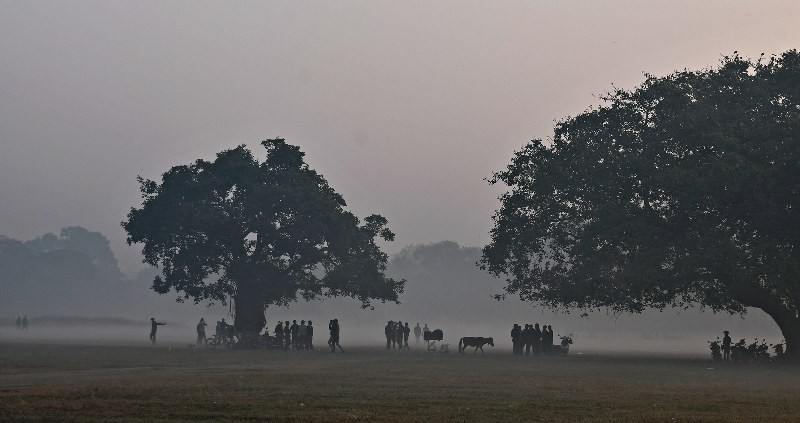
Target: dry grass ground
column 125, row 383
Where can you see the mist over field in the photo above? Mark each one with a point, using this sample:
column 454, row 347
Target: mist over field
column 72, row 292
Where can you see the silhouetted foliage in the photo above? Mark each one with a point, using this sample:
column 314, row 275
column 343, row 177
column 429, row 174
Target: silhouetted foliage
column 259, row 234
column 57, row 274
column 683, row 191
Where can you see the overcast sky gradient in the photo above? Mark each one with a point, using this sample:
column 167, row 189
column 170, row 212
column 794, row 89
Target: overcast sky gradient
column 405, row 107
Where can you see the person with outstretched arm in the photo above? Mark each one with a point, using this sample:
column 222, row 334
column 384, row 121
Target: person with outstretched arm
column 154, row 328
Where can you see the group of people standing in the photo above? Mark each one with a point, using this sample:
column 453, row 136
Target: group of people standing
column 22, row 322
column 294, row 336
column 532, row 339
column 397, row 334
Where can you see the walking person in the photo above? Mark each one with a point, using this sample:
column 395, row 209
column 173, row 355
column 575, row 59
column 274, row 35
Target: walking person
column 417, row 332
column 201, row 332
column 333, row 341
column 154, row 328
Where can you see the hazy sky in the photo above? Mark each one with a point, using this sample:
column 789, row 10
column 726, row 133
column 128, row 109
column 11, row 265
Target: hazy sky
column 404, row 106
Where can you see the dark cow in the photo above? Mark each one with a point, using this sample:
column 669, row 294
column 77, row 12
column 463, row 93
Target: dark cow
column 474, row 341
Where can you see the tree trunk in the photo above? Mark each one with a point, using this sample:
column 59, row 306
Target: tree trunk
column 790, row 328
column 249, row 311
column 787, row 320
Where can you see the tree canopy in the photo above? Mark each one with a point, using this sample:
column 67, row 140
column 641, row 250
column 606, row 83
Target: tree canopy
column 684, row 190
column 259, row 234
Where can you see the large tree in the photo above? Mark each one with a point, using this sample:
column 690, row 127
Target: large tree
column 258, row 234
column 684, row 190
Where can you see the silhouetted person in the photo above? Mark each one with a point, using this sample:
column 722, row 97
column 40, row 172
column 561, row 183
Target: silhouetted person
column 398, row 335
column 19, row 322
column 310, row 336
column 333, row 341
column 417, row 332
column 536, row 339
column 287, row 336
column 279, row 332
column 425, row 328
column 302, row 334
column 154, row 328
column 516, row 335
column 526, row 338
column 549, row 339
column 406, row 333
column 726, row 346
column 201, row 331
column 294, row 330
column 25, row 322
column 388, row 330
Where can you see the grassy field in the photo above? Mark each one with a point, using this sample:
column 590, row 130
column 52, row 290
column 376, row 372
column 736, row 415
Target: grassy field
column 129, row 383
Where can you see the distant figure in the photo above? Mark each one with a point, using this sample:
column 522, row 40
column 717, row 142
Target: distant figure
column 726, row 346
column 425, row 328
column 536, row 338
column 25, row 322
column 549, row 339
column 19, row 322
column 279, row 332
column 201, row 331
column 398, row 335
column 310, row 336
column 388, row 330
column 417, row 332
column 302, row 334
column 294, row 330
column 406, row 332
column 516, row 338
column 287, row 336
column 154, row 328
column 527, row 338
column 333, row 341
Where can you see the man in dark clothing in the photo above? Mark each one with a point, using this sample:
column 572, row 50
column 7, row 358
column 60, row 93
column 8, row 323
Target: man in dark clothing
column 726, row 346
column 333, row 342
column 398, row 335
column 310, row 335
column 406, row 332
column 536, row 339
column 287, row 333
column 549, row 344
column 516, row 334
column 294, row 329
column 526, row 338
column 388, row 330
column 279, row 331
column 154, row 328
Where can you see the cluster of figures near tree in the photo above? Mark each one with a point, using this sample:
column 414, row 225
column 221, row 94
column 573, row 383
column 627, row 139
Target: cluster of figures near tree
column 536, row 341
column 297, row 337
column 723, row 350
